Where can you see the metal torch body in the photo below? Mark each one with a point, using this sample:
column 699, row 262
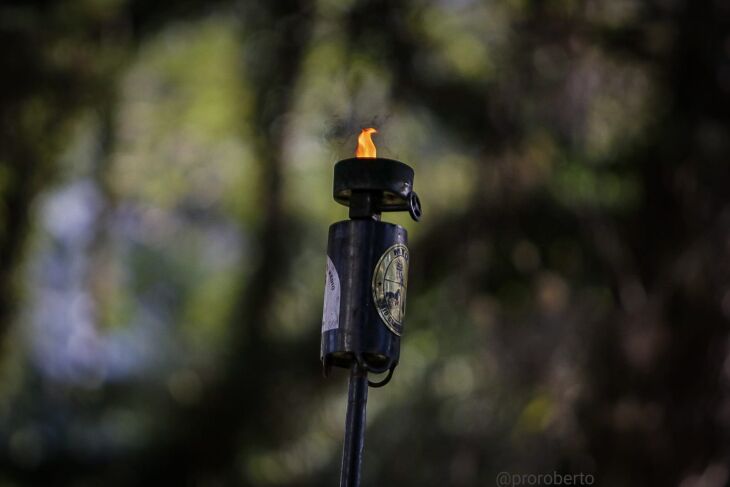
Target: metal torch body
column 367, row 264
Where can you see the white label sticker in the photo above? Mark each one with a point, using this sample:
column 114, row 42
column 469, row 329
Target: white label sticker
column 331, row 313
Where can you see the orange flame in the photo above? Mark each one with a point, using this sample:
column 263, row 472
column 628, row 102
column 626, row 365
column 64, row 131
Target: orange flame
column 365, row 146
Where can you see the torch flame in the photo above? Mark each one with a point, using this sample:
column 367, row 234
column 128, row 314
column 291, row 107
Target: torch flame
column 365, row 146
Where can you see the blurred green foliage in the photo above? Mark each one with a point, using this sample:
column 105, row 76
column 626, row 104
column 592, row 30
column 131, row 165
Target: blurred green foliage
column 165, row 192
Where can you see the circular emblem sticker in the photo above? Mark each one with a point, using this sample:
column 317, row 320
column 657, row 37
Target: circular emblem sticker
column 390, row 281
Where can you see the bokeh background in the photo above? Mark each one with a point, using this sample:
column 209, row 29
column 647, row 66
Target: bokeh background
column 165, row 193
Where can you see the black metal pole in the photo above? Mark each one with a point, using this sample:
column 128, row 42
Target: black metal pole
column 357, row 400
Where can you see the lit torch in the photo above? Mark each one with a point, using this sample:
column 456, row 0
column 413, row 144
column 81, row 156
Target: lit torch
column 366, row 283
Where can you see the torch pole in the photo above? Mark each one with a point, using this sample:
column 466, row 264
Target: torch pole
column 357, row 399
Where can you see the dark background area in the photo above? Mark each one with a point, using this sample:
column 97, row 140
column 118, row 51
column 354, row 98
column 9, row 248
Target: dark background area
column 165, row 192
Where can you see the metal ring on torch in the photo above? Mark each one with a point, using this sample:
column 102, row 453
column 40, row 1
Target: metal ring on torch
column 384, row 381
column 390, row 367
column 414, row 206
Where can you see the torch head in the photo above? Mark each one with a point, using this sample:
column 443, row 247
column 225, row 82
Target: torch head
column 367, row 263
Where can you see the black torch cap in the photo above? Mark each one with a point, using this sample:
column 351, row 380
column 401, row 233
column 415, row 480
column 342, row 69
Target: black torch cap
column 390, row 179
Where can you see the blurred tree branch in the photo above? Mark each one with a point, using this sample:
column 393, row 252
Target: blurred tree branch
column 208, row 438
column 675, row 242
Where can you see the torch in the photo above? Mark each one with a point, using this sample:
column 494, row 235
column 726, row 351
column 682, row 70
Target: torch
column 365, row 283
